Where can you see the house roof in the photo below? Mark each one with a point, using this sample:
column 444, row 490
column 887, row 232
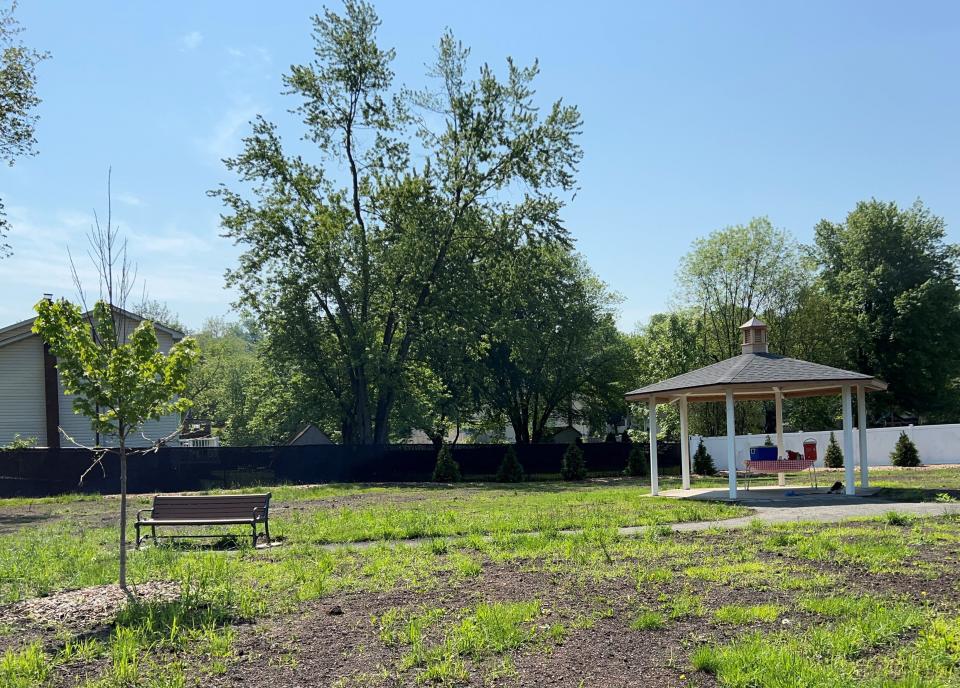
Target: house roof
column 302, row 432
column 24, row 328
column 753, row 376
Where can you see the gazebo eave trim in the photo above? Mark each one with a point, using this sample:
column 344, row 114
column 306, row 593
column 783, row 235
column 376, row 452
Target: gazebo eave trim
column 760, row 390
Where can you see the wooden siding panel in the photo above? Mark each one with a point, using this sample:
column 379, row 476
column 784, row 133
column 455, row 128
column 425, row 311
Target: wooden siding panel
column 22, row 409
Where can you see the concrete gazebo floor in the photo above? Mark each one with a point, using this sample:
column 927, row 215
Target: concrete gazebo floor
column 770, row 505
column 775, row 496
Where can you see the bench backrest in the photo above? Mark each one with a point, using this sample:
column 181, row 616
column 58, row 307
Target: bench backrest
column 211, row 506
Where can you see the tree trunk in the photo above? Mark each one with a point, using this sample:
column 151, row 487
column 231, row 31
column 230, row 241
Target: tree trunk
column 123, row 515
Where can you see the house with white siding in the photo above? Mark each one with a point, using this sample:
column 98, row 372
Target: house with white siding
column 32, row 401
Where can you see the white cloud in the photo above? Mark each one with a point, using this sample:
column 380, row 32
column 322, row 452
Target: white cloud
column 190, row 41
column 183, row 267
column 128, row 198
column 224, row 140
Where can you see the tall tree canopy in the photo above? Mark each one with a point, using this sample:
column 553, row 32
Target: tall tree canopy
column 738, row 272
column 18, row 99
column 554, row 346
column 893, row 280
column 346, row 259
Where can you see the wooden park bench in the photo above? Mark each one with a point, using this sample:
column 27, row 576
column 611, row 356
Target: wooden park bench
column 206, row 510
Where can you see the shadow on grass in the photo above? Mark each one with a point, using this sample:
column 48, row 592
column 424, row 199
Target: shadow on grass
column 917, row 494
column 211, row 543
column 10, row 523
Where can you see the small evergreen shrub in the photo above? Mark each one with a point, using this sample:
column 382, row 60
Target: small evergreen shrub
column 768, row 442
column 510, row 471
column 636, row 461
column 834, row 456
column 905, row 453
column 611, row 437
column 625, row 437
column 447, row 469
column 574, row 465
column 702, row 461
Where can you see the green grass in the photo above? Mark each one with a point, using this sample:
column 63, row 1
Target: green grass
column 648, row 620
column 683, row 605
column 877, row 550
column 656, row 582
column 437, row 655
column 823, row 655
column 25, row 668
column 740, row 615
column 485, row 511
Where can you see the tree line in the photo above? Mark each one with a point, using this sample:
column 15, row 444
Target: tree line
column 405, row 267
column 876, row 292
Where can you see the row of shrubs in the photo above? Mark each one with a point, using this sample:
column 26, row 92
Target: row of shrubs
column 574, row 466
column 904, row 454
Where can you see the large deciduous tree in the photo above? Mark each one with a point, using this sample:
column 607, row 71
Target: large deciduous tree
column 18, row 99
column 348, row 258
column 554, row 347
column 893, row 279
column 738, row 272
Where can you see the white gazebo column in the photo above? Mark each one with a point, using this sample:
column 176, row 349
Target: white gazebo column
column 848, row 440
column 684, row 443
column 781, row 450
column 654, row 471
column 731, row 446
column 862, row 432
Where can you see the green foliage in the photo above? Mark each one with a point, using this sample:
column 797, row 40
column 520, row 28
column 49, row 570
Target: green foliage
column 637, row 461
column 554, row 345
column 159, row 313
column 741, row 271
column 834, row 456
column 702, row 461
column 574, row 465
column 120, row 380
column 892, row 278
column 447, row 469
column 19, row 442
column 905, row 452
column 19, row 102
column 767, row 442
column 648, row 620
column 358, row 263
column 740, row 615
column 25, row 668
column 510, row 470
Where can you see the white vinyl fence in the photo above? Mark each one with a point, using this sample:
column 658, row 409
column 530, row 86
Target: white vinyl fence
column 936, row 444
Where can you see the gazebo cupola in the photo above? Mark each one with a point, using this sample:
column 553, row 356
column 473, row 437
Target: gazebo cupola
column 754, row 336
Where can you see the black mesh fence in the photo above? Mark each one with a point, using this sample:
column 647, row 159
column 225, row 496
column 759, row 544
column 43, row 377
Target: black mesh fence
column 47, row 472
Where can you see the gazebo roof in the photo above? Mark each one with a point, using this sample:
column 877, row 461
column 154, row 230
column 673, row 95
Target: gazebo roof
column 753, row 376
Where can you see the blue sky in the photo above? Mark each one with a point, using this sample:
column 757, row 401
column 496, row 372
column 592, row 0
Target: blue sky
column 697, row 115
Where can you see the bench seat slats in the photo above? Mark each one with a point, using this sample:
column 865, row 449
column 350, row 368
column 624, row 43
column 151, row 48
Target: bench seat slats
column 196, row 521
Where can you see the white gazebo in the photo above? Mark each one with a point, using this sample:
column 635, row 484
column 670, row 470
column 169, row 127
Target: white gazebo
column 757, row 374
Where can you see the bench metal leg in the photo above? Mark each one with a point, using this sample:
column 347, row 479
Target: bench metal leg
column 266, row 531
column 254, row 535
column 136, row 527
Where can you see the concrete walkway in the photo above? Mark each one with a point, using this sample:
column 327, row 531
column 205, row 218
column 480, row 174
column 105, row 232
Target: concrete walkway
column 769, row 505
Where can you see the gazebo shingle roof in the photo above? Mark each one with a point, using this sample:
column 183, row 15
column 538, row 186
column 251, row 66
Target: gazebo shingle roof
column 756, row 370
